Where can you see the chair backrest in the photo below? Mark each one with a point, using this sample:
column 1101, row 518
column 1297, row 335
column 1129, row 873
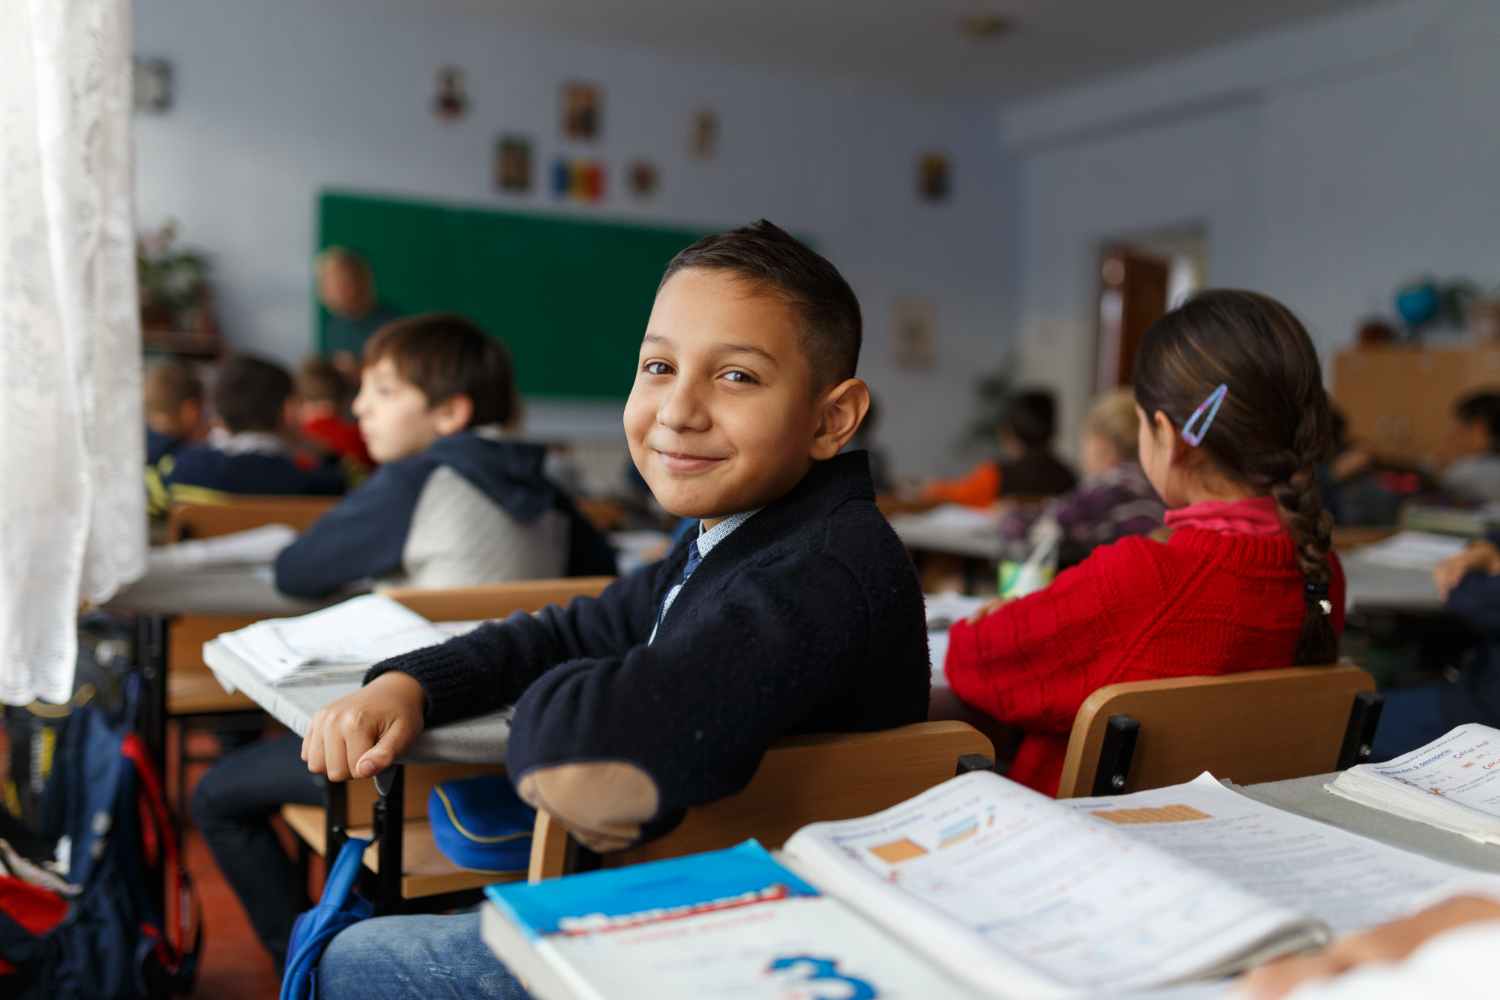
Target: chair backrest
column 495, row 600
column 1261, row 725
column 802, row 780
column 241, row 513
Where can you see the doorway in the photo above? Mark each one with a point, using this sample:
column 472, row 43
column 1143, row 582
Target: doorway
column 1141, row 276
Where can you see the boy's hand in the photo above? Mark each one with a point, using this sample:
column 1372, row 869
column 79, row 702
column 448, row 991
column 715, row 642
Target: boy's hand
column 1392, row 942
column 1481, row 557
column 362, row 734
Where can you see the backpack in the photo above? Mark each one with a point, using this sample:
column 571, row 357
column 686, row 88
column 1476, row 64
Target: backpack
column 104, row 807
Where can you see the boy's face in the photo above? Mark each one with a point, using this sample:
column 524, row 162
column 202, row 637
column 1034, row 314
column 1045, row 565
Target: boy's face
column 723, row 416
column 1467, row 438
column 342, row 289
column 394, row 416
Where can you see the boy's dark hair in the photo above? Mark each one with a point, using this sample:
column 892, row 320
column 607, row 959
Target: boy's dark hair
column 775, row 261
column 1273, row 426
column 1482, row 407
column 1032, row 418
column 169, row 384
column 318, row 381
column 250, row 394
column 446, row 355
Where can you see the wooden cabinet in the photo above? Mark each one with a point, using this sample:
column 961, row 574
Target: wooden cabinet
column 1399, row 399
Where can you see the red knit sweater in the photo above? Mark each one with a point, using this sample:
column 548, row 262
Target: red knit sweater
column 1204, row 602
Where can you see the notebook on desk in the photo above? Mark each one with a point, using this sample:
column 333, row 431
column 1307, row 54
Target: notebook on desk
column 1452, row 783
column 346, row 638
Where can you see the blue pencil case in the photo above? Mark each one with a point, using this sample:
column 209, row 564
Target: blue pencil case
column 482, row 824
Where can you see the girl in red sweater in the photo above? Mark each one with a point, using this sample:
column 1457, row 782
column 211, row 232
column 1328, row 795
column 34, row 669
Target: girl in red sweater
column 1233, row 420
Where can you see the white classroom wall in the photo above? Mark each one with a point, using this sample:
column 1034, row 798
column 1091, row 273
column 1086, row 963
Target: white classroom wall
column 278, row 99
column 1329, row 162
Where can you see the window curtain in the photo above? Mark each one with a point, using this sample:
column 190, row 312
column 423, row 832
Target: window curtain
column 72, row 505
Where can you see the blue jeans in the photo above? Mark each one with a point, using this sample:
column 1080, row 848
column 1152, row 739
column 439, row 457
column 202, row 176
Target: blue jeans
column 414, row 958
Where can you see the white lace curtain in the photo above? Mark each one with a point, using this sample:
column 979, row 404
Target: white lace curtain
column 72, row 517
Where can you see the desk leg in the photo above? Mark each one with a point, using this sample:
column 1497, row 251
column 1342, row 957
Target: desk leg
column 151, row 660
column 390, row 812
column 335, row 820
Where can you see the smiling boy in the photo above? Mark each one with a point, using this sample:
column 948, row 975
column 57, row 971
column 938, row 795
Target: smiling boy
column 794, row 608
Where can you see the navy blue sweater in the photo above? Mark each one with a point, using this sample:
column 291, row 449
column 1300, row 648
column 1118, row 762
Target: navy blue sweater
column 808, row 618
column 365, row 536
column 206, row 467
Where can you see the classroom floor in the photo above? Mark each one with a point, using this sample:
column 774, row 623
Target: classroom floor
column 233, row 965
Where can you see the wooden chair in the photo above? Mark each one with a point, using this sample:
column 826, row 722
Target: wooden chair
column 1262, row 725
column 424, row 874
column 241, row 513
column 800, row 781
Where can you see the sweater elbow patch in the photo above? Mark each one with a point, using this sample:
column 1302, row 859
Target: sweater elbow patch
column 604, row 804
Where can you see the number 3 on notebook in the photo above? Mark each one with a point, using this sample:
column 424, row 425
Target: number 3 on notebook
column 823, row 970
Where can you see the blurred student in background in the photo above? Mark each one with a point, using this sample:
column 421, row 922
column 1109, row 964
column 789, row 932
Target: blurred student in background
column 1026, row 467
column 1115, row 499
column 1473, row 473
column 322, row 403
column 174, row 420
column 346, row 288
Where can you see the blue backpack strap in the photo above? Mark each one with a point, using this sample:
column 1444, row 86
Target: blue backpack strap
column 339, row 908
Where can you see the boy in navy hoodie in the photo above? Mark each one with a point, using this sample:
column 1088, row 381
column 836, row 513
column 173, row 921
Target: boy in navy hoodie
column 793, row 608
column 455, row 502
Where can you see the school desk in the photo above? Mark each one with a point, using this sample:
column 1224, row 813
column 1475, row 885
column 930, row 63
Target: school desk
column 970, row 536
column 1307, row 797
column 473, row 741
column 1374, row 587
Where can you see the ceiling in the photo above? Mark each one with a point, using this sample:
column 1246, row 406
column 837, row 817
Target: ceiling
column 913, row 44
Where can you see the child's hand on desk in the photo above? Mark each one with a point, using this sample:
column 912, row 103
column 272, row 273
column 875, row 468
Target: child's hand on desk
column 1391, row 942
column 362, row 734
column 1480, row 557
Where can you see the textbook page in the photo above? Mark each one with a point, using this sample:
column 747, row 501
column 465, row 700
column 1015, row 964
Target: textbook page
column 1452, row 783
column 1024, row 898
column 356, row 633
column 730, row 923
column 1347, row 881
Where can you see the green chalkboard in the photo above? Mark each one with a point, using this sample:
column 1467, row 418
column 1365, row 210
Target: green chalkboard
column 569, row 296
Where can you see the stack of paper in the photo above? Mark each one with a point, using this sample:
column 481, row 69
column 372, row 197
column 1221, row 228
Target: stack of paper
column 345, row 638
column 1412, row 550
column 956, row 518
column 1452, row 783
column 255, row 547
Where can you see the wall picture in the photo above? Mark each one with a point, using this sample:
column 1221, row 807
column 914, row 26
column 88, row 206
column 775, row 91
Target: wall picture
column 450, row 102
column 934, row 177
column 151, row 85
column 577, row 180
column 582, row 111
column 513, row 163
column 704, row 143
column 914, row 333
column 643, row 178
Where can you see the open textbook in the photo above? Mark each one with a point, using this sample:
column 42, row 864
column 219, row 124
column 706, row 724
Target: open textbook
column 1452, row 783
column 991, row 889
column 349, row 636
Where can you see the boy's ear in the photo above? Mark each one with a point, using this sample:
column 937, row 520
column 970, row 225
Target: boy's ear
column 452, row 414
column 841, row 411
